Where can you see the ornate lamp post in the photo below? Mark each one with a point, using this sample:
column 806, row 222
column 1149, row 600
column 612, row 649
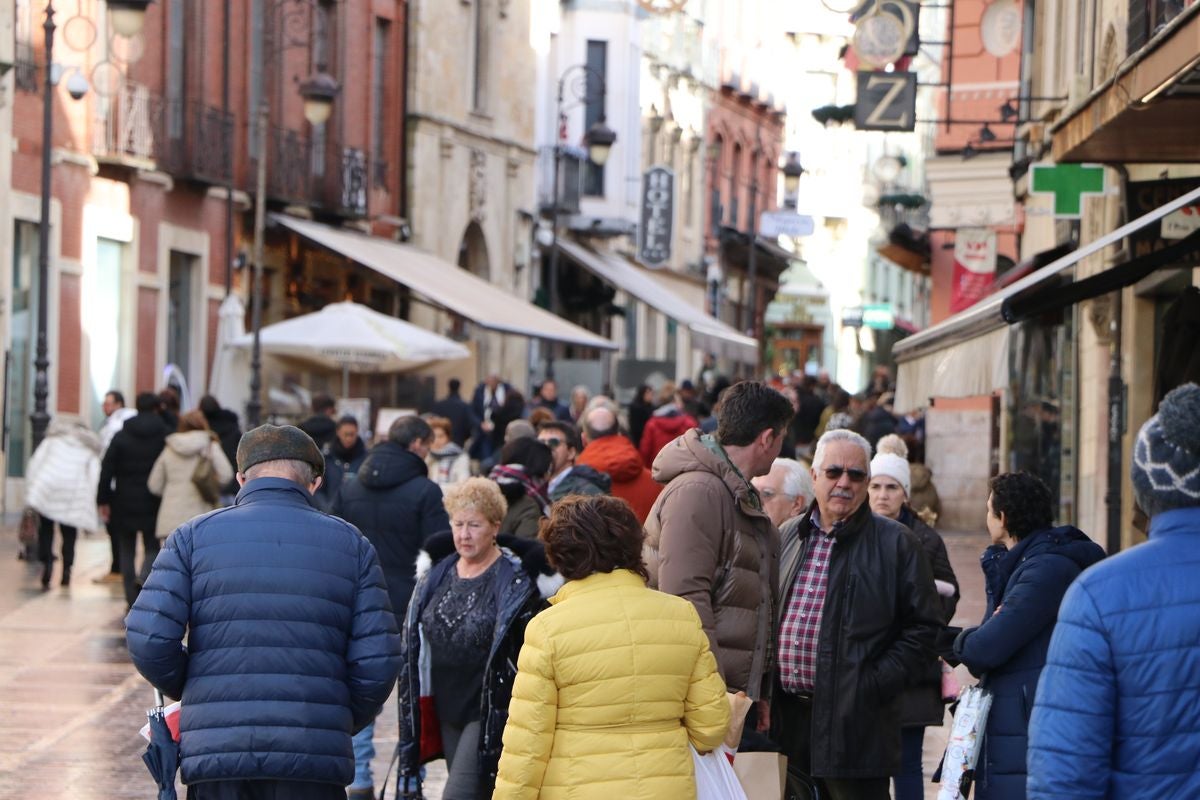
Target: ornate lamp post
column 127, row 17
column 598, row 140
column 318, row 91
column 792, row 170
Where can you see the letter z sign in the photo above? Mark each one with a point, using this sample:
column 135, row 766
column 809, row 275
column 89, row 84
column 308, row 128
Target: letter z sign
column 887, row 101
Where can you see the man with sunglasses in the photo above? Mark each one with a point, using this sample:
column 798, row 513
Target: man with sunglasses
column 858, row 618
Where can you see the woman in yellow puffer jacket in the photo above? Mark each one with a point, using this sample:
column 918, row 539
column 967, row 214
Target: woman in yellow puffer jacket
column 614, row 680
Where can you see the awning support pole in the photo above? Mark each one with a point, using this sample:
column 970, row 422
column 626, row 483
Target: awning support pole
column 1116, row 428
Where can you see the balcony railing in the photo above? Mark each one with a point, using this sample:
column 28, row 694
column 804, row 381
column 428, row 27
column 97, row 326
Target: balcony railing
column 346, row 188
column 25, row 68
column 570, row 170
column 187, row 140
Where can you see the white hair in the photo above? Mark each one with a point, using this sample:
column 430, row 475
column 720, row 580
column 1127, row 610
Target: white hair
column 797, row 481
column 292, row 469
column 840, row 435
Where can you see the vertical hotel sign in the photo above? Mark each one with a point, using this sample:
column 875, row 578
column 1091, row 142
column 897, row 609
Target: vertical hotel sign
column 974, row 266
column 658, row 216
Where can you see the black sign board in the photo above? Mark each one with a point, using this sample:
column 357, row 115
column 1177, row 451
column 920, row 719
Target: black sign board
column 887, row 101
column 658, row 216
column 1142, row 197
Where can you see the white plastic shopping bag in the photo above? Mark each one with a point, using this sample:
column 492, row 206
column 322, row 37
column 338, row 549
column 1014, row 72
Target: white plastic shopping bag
column 715, row 778
column 965, row 743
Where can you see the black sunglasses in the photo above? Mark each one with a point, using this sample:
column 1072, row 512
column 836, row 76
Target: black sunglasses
column 552, row 442
column 834, row 473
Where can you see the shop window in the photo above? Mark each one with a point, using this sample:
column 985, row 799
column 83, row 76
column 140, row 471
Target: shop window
column 102, row 322
column 181, row 296
column 19, row 364
column 1042, row 405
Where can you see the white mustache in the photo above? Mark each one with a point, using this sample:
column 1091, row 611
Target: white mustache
column 842, row 493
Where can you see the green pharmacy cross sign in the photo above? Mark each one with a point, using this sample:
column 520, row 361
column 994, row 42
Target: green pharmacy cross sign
column 1068, row 183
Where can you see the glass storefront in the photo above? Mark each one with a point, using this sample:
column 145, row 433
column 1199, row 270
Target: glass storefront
column 1042, row 405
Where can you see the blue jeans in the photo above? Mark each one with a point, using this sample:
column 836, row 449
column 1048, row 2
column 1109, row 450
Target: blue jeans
column 910, row 782
column 364, row 753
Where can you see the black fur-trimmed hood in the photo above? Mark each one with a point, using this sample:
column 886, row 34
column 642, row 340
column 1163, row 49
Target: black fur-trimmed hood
column 529, row 552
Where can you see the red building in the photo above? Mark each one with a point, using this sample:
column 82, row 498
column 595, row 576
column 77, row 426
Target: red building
column 146, row 236
column 745, row 136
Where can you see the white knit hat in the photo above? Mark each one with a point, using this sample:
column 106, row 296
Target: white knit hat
column 893, row 466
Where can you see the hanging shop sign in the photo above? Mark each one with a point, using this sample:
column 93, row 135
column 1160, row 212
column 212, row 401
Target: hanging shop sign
column 1142, row 197
column 1068, row 183
column 886, row 101
column 974, row 266
column 658, row 216
column 905, row 13
column 662, row 6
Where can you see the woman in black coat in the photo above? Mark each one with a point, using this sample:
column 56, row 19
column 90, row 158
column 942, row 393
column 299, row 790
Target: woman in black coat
column 476, row 591
column 1027, row 570
column 921, row 703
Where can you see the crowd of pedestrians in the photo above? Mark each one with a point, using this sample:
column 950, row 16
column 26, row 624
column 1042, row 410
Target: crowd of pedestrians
column 567, row 591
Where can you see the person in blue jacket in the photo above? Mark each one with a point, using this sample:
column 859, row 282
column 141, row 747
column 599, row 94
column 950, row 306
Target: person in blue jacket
column 1117, row 713
column 1027, row 569
column 291, row 641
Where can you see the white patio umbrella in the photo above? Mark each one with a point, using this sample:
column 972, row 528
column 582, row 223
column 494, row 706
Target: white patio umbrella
column 354, row 338
column 229, row 382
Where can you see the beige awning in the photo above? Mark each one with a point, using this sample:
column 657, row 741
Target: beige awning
column 708, row 333
column 447, row 285
column 966, row 354
column 976, row 366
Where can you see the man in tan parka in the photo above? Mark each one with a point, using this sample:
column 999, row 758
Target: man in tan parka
column 708, row 539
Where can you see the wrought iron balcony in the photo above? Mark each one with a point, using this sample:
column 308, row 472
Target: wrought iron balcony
column 346, row 188
column 570, row 172
column 187, row 140
column 25, row 68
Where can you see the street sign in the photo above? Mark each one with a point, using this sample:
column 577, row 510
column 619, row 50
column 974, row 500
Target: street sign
column 1068, row 183
column 879, row 316
column 886, row 101
column 658, row 216
column 773, row 224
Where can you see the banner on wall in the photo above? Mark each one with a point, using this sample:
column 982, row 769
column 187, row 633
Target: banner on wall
column 974, row 266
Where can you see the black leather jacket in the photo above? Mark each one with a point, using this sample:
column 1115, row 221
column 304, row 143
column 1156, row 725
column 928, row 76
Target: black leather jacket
column 878, row 625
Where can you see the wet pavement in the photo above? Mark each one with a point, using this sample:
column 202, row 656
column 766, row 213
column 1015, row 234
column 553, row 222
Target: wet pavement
column 71, row 702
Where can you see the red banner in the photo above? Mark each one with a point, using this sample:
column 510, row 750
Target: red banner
column 974, row 267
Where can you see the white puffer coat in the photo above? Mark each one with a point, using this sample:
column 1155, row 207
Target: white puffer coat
column 171, row 478
column 61, row 480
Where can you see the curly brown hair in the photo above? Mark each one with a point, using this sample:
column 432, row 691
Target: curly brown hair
column 586, row 535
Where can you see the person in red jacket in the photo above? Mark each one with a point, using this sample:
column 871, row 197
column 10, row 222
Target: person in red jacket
column 610, row 452
column 666, row 424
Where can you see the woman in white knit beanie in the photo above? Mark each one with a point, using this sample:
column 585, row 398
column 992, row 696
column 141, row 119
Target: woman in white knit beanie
column 921, row 704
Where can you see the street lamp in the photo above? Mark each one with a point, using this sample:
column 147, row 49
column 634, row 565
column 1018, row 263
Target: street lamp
column 318, row 92
column 598, row 140
column 127, row 16
column 792, row 170
column 131, row 15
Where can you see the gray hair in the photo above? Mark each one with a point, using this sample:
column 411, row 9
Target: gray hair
column 840, row 435
column 797, row 481
column 292, row 469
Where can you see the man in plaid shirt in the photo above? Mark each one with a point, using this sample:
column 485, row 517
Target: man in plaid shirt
column 860, row 613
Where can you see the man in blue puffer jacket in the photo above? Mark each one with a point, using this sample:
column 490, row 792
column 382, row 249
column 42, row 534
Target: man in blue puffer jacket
column 291, row 641
column 1116, row 711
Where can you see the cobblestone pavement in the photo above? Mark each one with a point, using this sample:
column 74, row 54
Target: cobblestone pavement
column 71, row 703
